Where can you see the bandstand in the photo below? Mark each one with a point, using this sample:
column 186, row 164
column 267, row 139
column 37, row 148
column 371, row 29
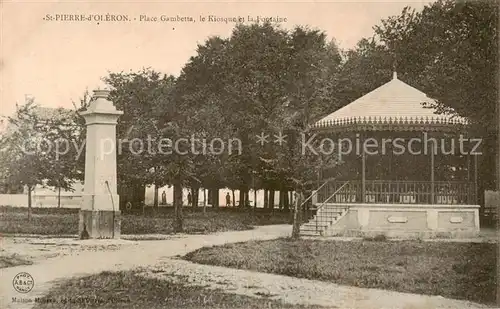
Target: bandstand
column 403, row 170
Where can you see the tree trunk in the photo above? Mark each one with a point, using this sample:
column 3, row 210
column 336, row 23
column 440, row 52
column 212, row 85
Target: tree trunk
column 286, row 202
column 143, row 209
column 191, row 190
column 247, row 198
column 195, row 193
column 271, row 199
column 282, row 199
column 266, row 198
column 296, row 211
column 204, row 201
column 215, row 198
column 254, row 198
column 234, row 200
column 155, row 200
column 241, row 202
column 30, row 189
column 58, row 197
column 178, row 228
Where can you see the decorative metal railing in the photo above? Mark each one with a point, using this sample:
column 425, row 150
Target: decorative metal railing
column 320, row 220
column 399, row 192
column 419, row 120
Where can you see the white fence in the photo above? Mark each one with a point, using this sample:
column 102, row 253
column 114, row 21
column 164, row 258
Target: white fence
column 46, row 200
column 19, row 200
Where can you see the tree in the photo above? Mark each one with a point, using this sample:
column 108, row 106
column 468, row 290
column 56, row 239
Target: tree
column 143, row 97
column 152, row 114
column 39, row 150
column 449, row 51
column 364, row 69
column 249, row 83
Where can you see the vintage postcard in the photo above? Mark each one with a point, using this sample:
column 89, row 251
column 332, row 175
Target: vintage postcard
column 249, row 154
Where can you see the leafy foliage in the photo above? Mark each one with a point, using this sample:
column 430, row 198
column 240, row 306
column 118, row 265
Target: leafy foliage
column 39, row 149
column 449, row 51
column 265, row 79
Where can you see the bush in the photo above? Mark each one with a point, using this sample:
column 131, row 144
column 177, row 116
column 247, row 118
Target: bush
column 379, row 237
column 63, row 221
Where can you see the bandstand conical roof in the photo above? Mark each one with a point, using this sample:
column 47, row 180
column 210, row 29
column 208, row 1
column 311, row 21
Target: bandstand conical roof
column 392, row 106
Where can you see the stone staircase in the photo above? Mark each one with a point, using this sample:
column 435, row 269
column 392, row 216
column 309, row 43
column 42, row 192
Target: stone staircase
column 326, row 216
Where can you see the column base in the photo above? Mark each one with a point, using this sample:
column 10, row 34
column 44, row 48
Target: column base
column 99, row 224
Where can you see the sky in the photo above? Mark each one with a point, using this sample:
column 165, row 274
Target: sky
column 56, row 61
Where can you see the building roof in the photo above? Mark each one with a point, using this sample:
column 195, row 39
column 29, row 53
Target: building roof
column 393, row 103
column 47, row 113
column 43, row 113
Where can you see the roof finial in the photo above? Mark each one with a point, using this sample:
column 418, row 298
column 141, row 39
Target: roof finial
column 394, row 75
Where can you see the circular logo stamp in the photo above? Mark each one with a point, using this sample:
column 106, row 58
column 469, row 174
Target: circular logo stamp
column 23, row 282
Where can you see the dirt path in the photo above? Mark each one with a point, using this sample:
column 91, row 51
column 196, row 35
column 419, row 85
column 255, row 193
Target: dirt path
column 157, row 256
column 129, row 256
column 295, row 290
column 39, row 249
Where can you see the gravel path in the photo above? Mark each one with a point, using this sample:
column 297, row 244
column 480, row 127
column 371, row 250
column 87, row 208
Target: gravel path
column 151, row 256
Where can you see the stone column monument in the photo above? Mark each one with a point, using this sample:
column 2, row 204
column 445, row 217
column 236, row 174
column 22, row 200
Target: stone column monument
column 100, row 214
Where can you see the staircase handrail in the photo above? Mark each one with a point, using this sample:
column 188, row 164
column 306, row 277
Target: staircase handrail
column 324, row 203
column 314, row 193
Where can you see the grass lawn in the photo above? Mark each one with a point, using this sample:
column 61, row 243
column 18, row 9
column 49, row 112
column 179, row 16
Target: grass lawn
column 63, row 221
column 127, row 290
column 12, row 260
column 454, row 270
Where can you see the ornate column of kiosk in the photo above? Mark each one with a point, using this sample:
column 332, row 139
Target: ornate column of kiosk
column 100, row 214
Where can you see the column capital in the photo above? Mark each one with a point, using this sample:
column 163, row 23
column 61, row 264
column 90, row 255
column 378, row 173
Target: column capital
column 101, row 109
